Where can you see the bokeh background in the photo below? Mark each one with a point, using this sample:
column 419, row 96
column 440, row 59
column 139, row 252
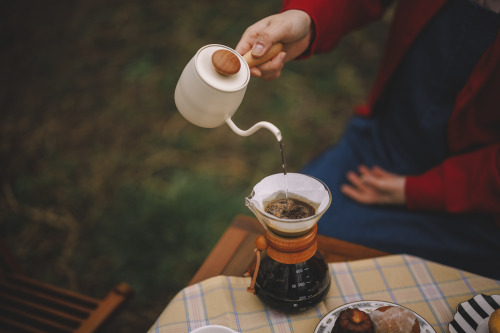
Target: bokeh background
column 103, row 181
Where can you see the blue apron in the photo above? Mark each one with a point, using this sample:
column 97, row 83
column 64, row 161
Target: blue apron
column 407, row 135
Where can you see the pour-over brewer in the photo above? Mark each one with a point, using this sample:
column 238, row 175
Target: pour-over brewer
column 289, row 273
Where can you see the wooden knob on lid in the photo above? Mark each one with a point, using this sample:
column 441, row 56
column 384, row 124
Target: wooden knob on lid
column 226, row 62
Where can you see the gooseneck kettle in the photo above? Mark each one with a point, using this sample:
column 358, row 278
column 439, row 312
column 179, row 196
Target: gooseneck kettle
column 213, row 84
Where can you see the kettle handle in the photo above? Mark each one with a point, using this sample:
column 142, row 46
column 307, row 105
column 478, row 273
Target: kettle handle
column 253, row 61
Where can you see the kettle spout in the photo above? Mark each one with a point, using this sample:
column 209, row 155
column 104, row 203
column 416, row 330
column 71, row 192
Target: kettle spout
column 254, row 128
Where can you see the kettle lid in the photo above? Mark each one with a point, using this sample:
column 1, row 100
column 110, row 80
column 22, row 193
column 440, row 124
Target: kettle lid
column 208, row 73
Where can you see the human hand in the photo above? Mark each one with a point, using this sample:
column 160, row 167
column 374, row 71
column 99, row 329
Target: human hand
column 291, row 27
column 375, row 186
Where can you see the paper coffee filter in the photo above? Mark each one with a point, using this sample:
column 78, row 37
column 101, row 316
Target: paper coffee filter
column 304, row 187
column 301, row 185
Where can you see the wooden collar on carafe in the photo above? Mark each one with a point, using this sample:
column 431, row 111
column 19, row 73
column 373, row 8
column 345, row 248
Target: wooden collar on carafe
column 292, row 250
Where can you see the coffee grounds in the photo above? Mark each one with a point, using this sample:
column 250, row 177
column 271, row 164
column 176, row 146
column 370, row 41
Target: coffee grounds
column 289, row 208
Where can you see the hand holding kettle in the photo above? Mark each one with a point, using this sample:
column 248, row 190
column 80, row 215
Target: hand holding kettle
column 293, row 28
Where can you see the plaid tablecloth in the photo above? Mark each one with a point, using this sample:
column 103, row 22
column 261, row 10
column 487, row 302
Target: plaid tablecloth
column 431, row 290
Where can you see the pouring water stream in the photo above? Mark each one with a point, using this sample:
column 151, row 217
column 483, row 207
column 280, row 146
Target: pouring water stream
column 284, row 169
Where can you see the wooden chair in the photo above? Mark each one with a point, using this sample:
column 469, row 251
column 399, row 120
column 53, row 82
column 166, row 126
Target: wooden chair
column 27, row 305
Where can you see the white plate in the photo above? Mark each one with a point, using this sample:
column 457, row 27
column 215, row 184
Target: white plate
column 326, row 324
column 472, row 316
column 213, row 329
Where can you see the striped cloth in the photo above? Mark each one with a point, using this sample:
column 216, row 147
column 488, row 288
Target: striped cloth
column 472, row 314
column 432, row 290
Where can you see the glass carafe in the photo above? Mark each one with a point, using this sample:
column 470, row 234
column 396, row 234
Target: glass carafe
column 290, row 274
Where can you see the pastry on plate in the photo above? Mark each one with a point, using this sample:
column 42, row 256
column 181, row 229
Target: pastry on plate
column 394, row 319
column 494, row 322
column 353, row 320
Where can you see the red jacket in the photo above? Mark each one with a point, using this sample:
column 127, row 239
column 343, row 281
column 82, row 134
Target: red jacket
column 468, row 181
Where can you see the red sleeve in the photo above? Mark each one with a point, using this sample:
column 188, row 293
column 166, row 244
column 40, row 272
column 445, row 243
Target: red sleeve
column 463, row 183
column 335, row 18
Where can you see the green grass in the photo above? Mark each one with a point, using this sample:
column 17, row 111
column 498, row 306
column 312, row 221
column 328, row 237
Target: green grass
column 103, row 181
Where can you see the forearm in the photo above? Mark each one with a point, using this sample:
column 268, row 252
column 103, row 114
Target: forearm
column 332, row 19
column 461, row 184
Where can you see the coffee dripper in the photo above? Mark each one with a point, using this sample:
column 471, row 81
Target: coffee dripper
column 213, row 84
column 290, row 274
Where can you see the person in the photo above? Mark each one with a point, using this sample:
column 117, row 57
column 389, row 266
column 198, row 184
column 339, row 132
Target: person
column 417, row 170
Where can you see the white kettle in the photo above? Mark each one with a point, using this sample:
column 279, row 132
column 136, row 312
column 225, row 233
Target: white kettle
column 212, row 86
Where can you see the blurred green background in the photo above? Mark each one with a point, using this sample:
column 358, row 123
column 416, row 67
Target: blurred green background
column 103, row 181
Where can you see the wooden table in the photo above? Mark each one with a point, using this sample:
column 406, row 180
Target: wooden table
column 233, row 253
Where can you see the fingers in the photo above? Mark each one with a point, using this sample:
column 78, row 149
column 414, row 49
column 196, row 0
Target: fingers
column 272, row 69
column 355, row 194
column 255, row 72
column 356, row 180
column 375, row 176
column 373, row 172
column 263, row 43
column 244, row 45
column 257, row 38
column 259, row 44
column 379, row 172
column 368, row 176
column 358, row 190
column 375, row 186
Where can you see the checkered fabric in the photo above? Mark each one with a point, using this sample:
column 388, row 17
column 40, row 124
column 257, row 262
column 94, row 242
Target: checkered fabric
column 432, row 290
